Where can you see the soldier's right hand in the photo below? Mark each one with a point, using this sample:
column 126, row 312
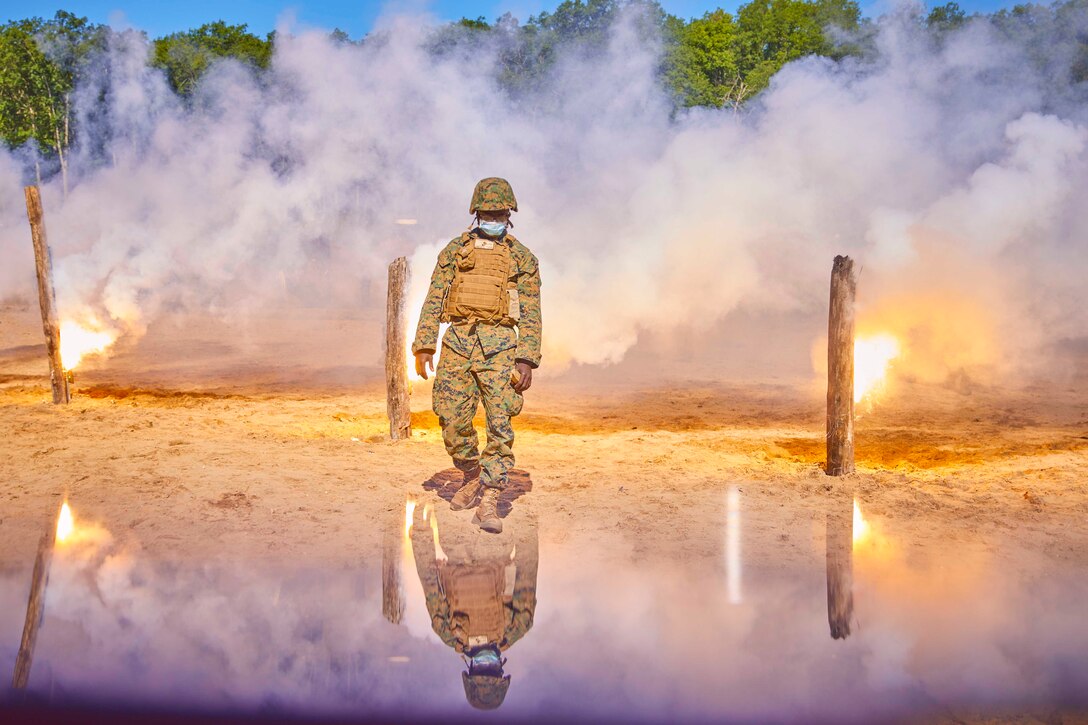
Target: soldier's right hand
column 424, row 360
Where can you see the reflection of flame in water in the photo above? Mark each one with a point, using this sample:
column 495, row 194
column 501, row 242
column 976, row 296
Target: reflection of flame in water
column 416, row 618
column 430, row 515
column 409, row 511
column 861, row 526
column 78, row 341
column 872, row 355
column 65, row 523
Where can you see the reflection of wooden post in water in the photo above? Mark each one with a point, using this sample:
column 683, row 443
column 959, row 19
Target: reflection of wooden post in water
column 840, row 568
column 840, row 369
column 46, row 297
column 392, row 576
column 35, row 609
column 398, row 402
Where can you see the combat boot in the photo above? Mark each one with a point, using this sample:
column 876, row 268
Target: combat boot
column 470, row 492
column 487, row 513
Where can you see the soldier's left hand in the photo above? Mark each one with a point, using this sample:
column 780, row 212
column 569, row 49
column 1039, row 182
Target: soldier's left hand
column 526, row 379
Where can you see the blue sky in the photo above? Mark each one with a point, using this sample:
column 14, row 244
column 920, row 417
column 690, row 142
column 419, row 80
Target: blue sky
column 159, row 17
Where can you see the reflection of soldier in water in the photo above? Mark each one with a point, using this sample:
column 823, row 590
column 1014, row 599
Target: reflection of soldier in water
column 481, row 597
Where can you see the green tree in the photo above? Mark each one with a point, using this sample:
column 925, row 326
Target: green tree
column 187, row 56
column 464, row 34
column 701, row 60
column 575, row 27
column 40, row 63
column 771, row 33
column 573, row 19
column 946, row 17
column 477, row 24
column 339, row 37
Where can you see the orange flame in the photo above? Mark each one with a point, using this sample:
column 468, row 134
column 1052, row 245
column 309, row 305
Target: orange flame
column 65, row 523
column 77, row 341
column 861, row 526
column 872, row 358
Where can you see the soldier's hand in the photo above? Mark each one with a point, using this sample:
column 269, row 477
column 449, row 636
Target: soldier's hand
column 424, row 360
column 526, row 377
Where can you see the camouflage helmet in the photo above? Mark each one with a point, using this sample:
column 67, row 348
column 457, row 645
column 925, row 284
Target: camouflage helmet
column 485, row 692
column 492, row 194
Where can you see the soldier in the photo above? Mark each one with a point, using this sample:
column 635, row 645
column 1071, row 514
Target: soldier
column 487, row 286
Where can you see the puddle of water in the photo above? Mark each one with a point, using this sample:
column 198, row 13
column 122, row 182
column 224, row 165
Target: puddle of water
column 844, row 621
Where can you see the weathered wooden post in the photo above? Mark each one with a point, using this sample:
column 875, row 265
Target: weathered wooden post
column 398, row 402
column 840, row 566
column 35, row 608
column 393, row 544
column 840, row 369
column 46, row 296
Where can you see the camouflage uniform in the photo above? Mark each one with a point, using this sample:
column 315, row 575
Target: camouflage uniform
column 476, row 364
column 518, row 606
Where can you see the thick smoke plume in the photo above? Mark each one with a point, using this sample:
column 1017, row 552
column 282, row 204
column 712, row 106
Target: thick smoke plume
column 953, row 168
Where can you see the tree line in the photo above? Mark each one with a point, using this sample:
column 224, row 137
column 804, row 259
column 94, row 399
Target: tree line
column 719, row 59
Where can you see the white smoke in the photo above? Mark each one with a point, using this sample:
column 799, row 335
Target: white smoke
column 950, row 170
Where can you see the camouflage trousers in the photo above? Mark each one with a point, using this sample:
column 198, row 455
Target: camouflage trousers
column 460, row 383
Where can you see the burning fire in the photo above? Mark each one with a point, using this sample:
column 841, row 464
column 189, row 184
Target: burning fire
column 861, row 526
column 65, row 523
column 872, row 356
column 78, row 341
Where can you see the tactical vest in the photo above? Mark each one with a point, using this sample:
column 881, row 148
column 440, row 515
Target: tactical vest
column 483, row 288
column 475, row 593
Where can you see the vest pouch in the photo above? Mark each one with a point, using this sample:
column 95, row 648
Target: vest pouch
column 466, row 259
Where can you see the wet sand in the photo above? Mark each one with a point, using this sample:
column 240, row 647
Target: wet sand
column 228, row 453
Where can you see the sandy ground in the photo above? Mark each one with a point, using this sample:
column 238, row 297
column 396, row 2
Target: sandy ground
column 195, row 444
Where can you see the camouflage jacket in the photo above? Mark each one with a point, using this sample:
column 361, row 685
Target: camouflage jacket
column 518, row 610
column 460, row 337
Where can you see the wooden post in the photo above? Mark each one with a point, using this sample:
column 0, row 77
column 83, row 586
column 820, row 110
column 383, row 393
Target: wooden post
column 392, row 582
column 840, row 369
column 840, row 566
column 398, row 402
column 35, row 608
column 46, row 297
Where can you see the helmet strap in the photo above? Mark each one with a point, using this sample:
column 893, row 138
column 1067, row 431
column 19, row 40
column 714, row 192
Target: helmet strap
column 476, row 221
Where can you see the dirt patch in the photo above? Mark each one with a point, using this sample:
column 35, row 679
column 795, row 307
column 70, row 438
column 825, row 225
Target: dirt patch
column 234, row 501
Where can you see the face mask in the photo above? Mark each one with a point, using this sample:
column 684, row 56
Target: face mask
column 486, row 659
column 493, row 229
